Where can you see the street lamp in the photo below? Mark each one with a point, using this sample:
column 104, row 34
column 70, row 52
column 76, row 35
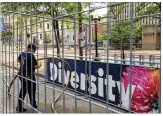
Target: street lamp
column 95, row 19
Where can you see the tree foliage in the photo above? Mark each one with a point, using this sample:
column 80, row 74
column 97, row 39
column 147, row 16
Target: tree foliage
column 121, row 30
column 100, row 37
column 146, row 8
column 6, row 35
column 45, row 10
column 48, row 38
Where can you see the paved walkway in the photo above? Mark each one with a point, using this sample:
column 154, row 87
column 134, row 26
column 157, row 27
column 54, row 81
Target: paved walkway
column 145, row 52
column 44, row 98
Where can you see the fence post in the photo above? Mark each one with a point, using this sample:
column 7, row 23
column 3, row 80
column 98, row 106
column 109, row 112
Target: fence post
column 141, row 59
column 151, row 60
column 115, row 58
column 133, row 57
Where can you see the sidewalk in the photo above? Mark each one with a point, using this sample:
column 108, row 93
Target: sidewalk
column 71, row 51
column 44, row 99
column 44, row 104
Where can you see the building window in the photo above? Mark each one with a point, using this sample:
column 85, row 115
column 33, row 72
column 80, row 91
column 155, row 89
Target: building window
column 40, row 36
column 40, row 25
column 47, row 26
column 73, row 37
column 28, row 35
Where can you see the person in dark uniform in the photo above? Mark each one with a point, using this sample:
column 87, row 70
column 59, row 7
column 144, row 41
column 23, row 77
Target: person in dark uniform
column 28, row 64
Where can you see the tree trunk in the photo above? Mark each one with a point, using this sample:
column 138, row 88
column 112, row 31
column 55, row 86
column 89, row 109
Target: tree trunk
column 80, row 30
column 56, row 38
column 57, row 28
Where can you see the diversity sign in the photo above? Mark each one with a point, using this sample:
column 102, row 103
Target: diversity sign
column 112, row 84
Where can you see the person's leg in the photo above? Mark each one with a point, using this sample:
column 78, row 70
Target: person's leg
column 32, row 92
column 22, row 94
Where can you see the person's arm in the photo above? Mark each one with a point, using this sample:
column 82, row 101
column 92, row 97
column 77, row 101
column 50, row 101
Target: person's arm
column 35, row 63
column 19, row 58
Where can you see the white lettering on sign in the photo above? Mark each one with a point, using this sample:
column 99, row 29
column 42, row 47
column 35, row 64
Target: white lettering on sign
column 125, row 95
column 100, row 82
column 53, row 71
column 73, row 82
column 60, row 72
column 92, row 85
column 100, row 87
column 95, row 88
column 82, row 81
column 110, row 85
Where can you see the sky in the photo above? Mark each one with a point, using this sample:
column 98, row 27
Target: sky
column 98, row 12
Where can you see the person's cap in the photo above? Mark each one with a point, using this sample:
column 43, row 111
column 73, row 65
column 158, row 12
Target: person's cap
column 32, row 46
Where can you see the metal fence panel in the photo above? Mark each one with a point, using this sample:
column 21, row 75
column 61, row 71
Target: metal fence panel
column 105, row 64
